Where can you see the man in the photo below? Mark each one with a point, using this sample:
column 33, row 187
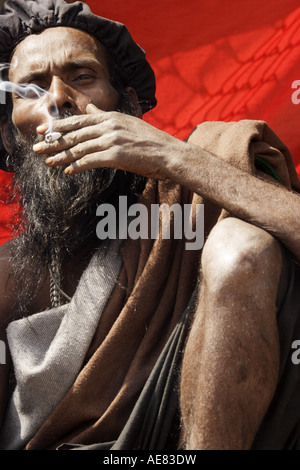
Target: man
column 97, row 330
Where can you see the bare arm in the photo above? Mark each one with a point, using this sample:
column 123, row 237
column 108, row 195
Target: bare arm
column 266, row 205
column 101, row 139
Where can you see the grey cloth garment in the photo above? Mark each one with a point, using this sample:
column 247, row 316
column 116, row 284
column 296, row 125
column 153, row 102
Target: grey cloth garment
column 154, row 421
column 151, row 423
column 48, row 349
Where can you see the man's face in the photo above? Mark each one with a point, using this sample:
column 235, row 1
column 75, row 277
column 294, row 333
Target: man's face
column 68, row 63
column 59, row 211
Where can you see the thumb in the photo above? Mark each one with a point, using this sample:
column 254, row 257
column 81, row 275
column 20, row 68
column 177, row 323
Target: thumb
column 92, row 109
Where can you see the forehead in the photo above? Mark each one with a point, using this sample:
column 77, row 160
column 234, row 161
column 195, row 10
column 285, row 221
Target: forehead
column 56, row 47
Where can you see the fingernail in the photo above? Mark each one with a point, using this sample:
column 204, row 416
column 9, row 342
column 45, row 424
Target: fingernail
column 49, row 160
column 42, row 128
column 37, row 147
column 68, row 170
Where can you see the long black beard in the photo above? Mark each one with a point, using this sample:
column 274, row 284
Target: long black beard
column 58, row 214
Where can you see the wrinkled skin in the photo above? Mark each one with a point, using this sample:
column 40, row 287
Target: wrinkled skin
column 98, row 136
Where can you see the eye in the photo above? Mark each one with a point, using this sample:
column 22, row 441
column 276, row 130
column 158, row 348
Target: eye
column 29, row 91
column 84, row 78
column 83, row 74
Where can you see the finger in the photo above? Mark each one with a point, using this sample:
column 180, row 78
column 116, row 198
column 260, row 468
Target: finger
column 73, row 122
column 92, row 109
column 79, row 151
column 69, row 140
column 93, row 160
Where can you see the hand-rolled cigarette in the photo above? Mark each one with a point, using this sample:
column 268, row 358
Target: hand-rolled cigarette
column 52, row 137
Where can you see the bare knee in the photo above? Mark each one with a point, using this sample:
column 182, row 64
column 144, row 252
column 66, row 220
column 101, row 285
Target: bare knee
column 235, row 331
column 240, row 254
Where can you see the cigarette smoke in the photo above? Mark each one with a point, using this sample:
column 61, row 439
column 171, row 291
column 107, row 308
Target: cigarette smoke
column 30, row 92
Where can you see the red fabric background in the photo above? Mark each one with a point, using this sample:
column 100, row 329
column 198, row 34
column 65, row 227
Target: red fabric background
column 213, row 60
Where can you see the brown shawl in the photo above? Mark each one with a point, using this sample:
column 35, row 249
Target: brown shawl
column 154, row 287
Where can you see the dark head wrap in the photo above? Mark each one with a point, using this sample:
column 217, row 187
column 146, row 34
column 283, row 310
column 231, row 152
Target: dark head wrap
column 20, row 18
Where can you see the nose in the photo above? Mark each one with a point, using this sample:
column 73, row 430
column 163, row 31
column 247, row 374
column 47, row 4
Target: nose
column 62, row 97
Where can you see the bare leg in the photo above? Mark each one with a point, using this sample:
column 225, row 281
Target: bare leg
column 231, row 360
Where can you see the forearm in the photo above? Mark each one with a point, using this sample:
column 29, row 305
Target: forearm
column 245, row 196
column 127, row 143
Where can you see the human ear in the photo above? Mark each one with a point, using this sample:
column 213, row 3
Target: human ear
column 134, row 101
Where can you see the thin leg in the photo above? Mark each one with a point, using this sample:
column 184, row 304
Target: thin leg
column 231, row 360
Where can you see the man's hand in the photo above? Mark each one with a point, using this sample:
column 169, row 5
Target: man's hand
column 109, row 139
